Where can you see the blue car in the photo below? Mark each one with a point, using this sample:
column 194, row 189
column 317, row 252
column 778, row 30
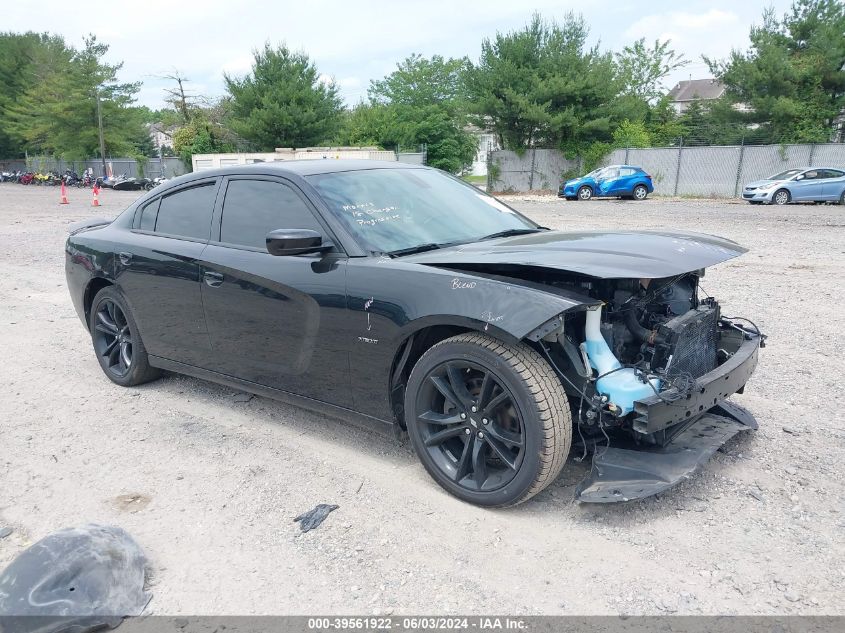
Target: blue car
column 619, row 181
column 816, row 184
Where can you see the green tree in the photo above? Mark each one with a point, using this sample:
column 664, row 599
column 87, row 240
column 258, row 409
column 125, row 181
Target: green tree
column 421, row 102
column 366, row 124
column 641, row 68
column 17, row 74
column 542, row 86
column 663, row 124
column 57, row 113
column 631, row 134
column 282, row 102
column 790, row 84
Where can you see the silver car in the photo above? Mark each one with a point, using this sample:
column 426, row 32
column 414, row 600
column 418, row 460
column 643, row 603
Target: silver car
column 817, row 184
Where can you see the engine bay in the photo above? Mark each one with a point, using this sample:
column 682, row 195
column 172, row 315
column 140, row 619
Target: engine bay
column 648, row 338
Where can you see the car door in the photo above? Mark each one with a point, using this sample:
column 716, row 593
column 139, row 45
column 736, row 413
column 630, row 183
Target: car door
column 807, row 186
column 833, row 184
column 157, row 268
column 607, row 180
column 623, row 185
column 275, row 320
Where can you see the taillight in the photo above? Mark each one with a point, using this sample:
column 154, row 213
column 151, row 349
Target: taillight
column 648, row 176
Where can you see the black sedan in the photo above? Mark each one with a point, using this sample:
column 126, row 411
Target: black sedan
column 399, row 296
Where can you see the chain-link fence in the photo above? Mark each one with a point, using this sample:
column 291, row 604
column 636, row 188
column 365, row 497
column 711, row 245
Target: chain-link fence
column 709, row 171
column 150, row 168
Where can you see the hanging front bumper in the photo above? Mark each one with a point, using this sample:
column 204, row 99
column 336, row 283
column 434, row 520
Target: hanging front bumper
column 624, row 474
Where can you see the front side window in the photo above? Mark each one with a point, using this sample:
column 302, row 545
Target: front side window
column 186, row 213
column 388, row 210
column 789, row 173
column 253, row 208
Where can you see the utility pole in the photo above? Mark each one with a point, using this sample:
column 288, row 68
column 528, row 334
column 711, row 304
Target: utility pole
column 100, row 125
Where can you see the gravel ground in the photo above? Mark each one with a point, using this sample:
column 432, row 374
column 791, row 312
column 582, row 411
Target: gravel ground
column 208, row 481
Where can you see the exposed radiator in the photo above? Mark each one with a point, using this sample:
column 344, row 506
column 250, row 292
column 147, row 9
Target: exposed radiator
column 693, row 340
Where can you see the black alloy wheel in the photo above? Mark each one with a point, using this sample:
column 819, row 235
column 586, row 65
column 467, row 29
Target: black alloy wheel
column 471, row 425
column 113, row 338
column 117, row 342
column 490, row 421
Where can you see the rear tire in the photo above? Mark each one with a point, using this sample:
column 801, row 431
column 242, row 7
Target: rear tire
column 490, row 422
column 781, row 197
column 117, row 342
column 640, row 192
column 585, row 193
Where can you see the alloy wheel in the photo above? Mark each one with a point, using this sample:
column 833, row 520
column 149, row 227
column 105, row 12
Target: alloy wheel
column 640, row 193
column 781, row 197
column 585, row 193
column 113, row 338
column 471, row 426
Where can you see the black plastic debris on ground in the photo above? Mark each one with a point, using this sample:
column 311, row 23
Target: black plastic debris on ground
column 76, row 579
column 313, row 518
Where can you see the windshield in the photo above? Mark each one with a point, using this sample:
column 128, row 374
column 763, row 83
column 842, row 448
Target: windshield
column 395, row 209
column 789, row 173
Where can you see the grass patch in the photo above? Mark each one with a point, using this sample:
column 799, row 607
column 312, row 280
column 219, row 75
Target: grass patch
column 475, row 180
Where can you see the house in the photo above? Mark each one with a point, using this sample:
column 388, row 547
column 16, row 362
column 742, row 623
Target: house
column 160, row 135
column 685, row 92
column 487, row 142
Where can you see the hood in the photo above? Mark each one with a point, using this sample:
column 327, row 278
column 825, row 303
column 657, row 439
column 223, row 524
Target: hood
column 602, row 254
column 757, row 184
column 578, row 181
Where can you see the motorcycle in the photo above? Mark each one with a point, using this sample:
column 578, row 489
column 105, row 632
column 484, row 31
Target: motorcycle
column 71, row 178
column 155, row 182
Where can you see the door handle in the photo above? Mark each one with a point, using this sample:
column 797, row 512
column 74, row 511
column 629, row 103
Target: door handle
column 212, row 279
column 125, row 258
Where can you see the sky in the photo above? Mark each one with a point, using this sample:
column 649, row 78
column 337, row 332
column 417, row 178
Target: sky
column 357, row 41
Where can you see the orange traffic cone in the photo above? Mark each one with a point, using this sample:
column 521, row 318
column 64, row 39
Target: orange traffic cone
column 64, row 194
column 96, row 201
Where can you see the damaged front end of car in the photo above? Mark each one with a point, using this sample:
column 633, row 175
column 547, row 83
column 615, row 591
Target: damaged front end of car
column 648, row 371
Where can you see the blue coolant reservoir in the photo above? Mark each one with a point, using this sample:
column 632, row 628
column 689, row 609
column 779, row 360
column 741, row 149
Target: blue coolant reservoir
column 622, row 387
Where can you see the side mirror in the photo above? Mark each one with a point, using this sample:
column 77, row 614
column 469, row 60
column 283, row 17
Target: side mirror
column 799, row 177
column 295, row 242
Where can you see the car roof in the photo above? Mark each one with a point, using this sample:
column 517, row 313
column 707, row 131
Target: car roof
column 307, row 167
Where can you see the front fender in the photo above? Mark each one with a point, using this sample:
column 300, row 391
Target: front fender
column 411, row 295
column 389, row 302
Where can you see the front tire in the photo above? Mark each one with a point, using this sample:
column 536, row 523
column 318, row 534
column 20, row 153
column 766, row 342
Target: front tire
column 490, row 422
column 781, row 197
column 640, row 192
column 585, row 193
column 117, row 342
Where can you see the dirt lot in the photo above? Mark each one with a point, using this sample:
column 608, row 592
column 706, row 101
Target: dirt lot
column 209, row 484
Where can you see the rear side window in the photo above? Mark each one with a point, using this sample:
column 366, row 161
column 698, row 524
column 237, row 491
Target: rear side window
column 627, row 171
column 148, row 216
column 186, row 213
column 253, row 208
